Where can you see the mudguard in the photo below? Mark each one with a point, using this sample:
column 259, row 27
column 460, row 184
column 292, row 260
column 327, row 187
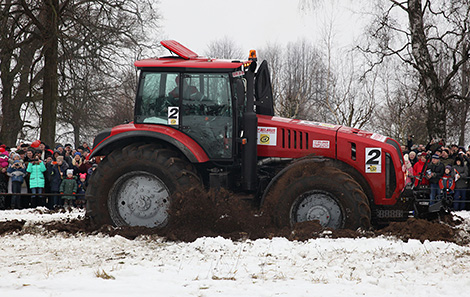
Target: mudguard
column 122, row 135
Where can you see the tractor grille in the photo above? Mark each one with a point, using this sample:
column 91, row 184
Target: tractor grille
column 293, row 139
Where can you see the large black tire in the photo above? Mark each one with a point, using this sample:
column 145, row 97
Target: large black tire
column 133, row 186
column 326, row 194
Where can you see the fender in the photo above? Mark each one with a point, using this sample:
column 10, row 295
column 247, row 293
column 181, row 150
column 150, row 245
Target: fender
column 112, row 138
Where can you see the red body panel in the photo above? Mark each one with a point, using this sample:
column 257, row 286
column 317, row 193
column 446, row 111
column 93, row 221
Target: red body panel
column 179, row 49
column 365, row 140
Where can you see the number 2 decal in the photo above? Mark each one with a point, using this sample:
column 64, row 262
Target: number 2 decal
column 173, row 115
column 373, row 160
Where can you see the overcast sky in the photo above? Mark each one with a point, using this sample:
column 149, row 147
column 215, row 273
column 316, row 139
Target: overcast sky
column 254, row 23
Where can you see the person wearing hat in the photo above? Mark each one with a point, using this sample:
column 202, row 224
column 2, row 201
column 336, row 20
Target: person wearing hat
column 91, row 171
column 60, row 148
column 445, row 158
column 454, row 150
column 447, row 183
column 434, row 173
column 68, row 154
column 45, row 152
column 77, row 161
column 17, row 172
column 68, row 186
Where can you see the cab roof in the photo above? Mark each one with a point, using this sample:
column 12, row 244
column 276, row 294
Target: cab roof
column 186, row 58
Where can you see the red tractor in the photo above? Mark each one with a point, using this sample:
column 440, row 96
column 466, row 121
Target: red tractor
column 210, row 122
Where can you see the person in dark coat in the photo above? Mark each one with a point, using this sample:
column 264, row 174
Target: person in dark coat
column 17, row 172
column 434, row 173
column 58, row 172
column 461, row 175
column 81, row 189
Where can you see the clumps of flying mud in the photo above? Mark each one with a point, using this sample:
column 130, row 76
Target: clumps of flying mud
column 199, row 213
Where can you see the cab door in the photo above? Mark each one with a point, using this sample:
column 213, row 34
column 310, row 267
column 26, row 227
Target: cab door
column 206, row 112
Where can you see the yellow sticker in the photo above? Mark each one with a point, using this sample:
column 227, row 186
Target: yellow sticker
column 264, row 138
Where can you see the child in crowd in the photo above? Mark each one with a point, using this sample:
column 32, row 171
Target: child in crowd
column 81, row 185
column 68, row 186
column 447, row 183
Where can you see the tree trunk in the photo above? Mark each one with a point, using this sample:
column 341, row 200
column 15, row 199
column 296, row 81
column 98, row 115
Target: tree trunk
column 11, row 122
column 76, row 135
column 465, row 93
column 436, row 120
column 50, row 82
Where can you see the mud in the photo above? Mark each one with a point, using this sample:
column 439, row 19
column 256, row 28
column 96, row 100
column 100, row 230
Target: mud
column 11, row 226
column 223, row 214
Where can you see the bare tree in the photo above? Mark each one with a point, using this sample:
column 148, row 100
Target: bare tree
column 404, row 106
column 224, row 48
column 433, row 41
column 18, row 74
column 301, row 81
column 349, row 98
column 93, row 34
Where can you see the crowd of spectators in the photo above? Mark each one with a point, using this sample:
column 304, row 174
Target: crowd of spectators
column 62, row 173
column 444, row 169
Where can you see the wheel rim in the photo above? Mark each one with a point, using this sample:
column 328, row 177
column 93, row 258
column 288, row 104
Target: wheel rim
column 317, row 205
column 139, row 198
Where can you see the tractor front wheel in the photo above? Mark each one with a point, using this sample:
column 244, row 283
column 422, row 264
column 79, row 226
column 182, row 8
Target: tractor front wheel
column 134, row 186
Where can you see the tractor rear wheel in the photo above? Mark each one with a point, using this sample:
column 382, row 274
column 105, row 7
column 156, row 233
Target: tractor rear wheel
column 134, row 186
column 330, row 196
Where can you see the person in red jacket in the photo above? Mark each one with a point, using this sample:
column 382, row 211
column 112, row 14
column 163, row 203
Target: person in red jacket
column 417, row 169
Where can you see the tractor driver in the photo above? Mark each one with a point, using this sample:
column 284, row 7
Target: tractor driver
column 189, row 92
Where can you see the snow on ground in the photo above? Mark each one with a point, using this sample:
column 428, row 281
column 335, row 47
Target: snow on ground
column 53, row 264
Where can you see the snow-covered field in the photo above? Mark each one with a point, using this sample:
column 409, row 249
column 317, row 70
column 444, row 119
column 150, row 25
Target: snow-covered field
column 40, row 263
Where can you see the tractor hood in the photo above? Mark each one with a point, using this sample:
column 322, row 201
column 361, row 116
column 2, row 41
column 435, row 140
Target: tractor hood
column 290, row 138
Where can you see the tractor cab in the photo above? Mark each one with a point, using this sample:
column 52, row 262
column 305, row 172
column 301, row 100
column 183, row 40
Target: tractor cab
column 198, row 96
